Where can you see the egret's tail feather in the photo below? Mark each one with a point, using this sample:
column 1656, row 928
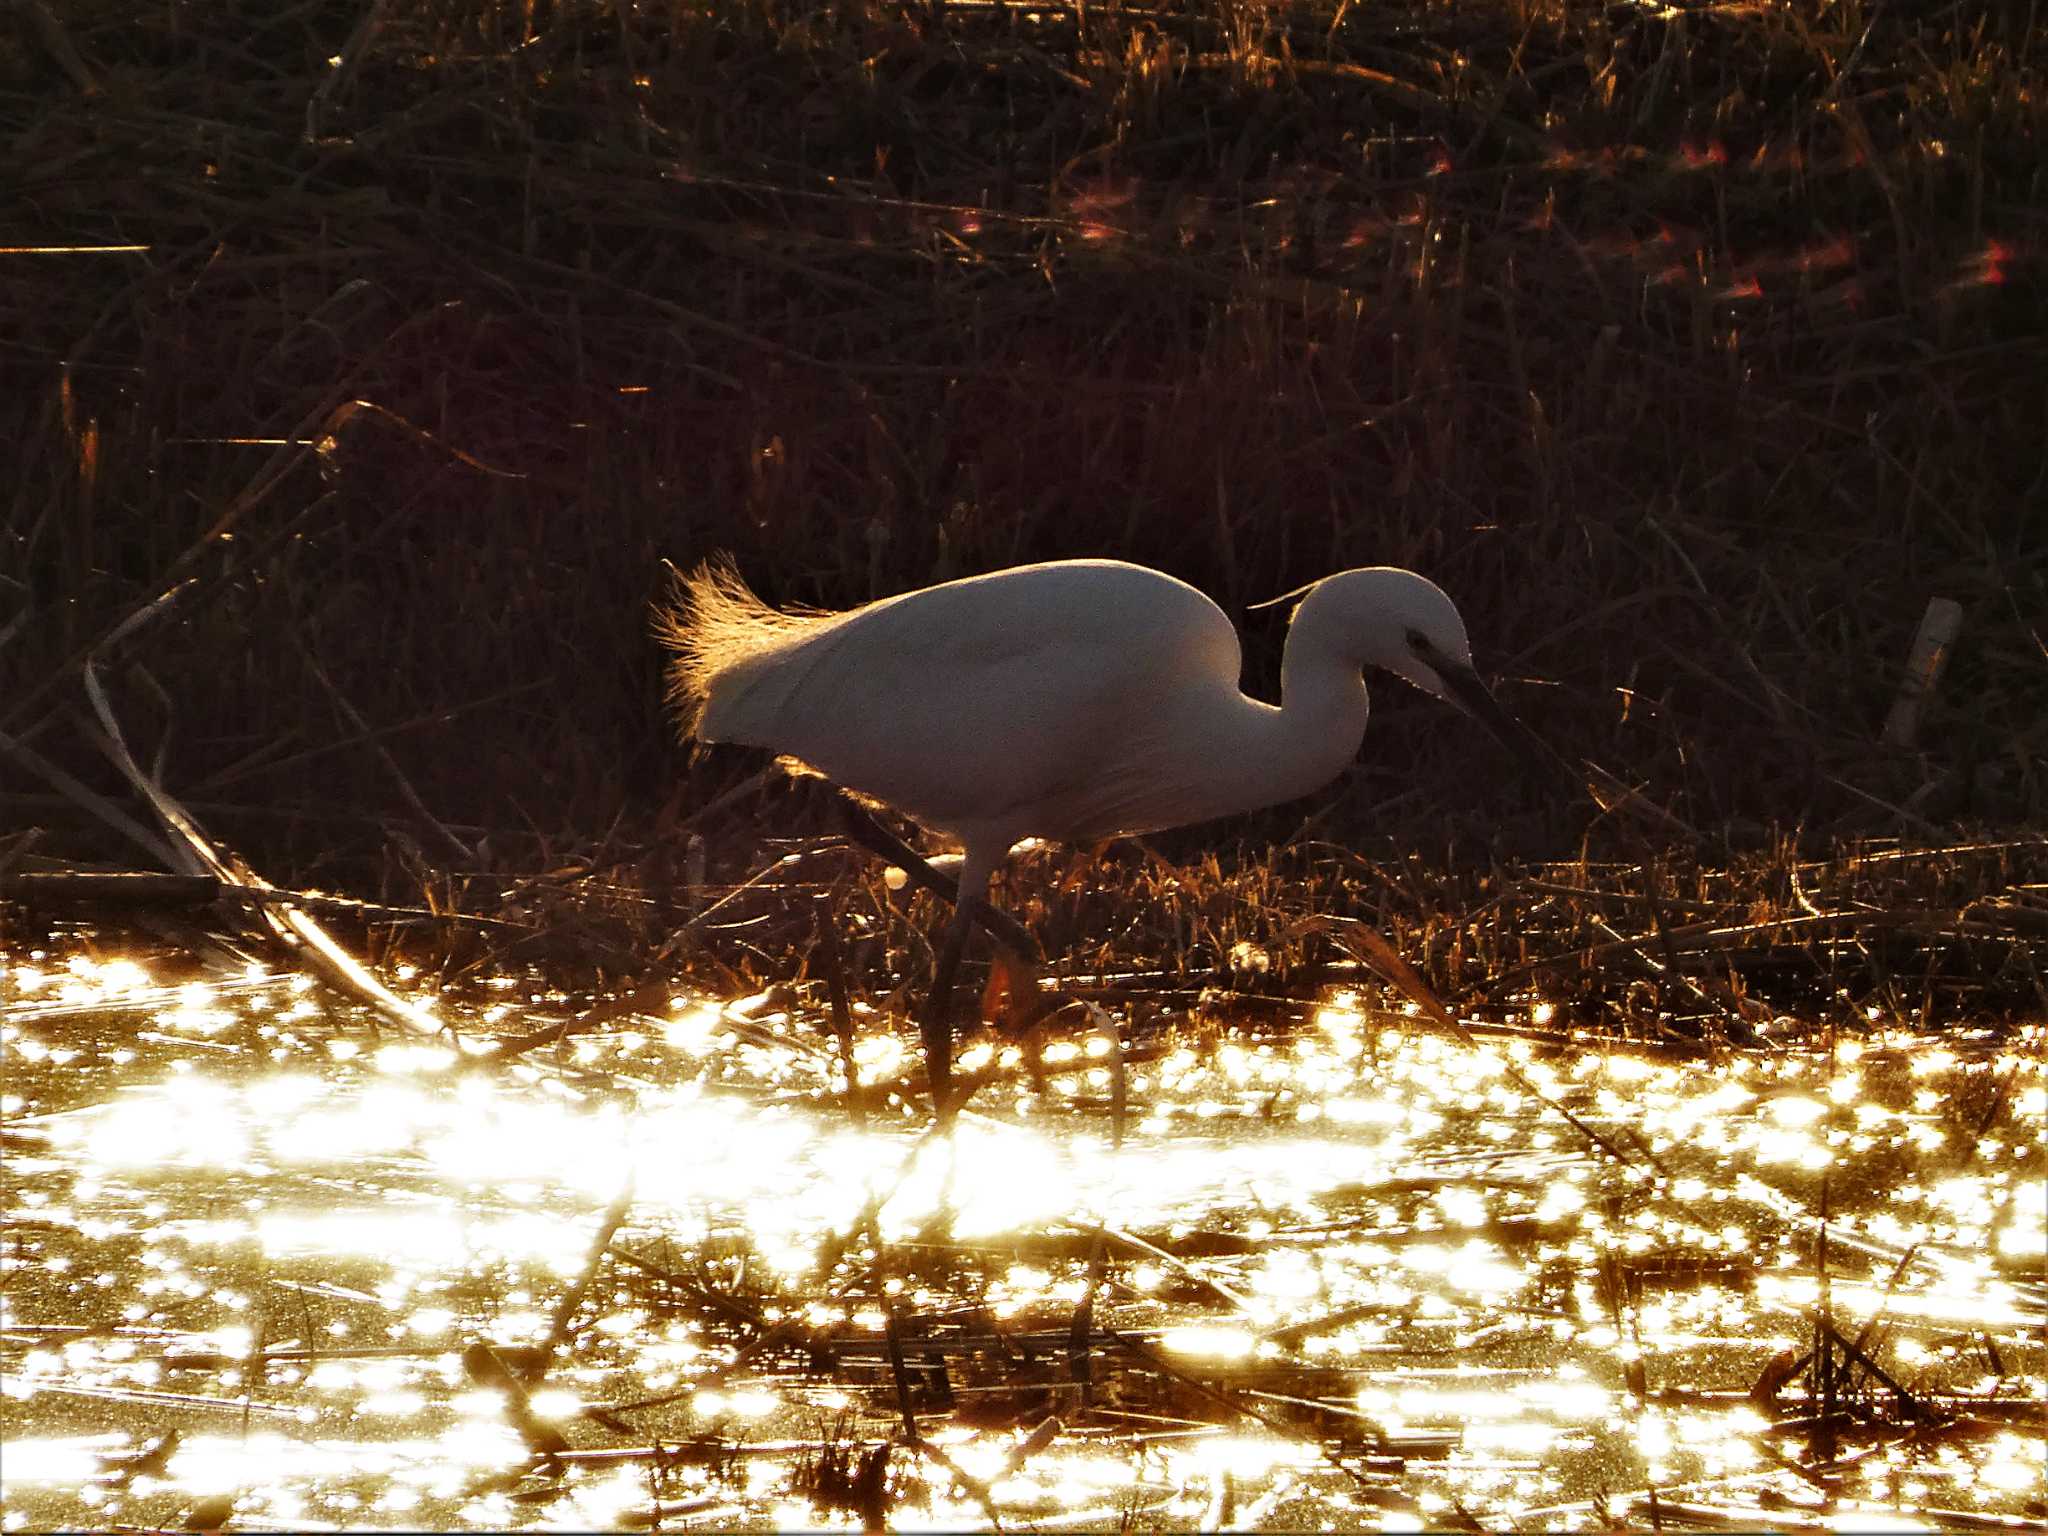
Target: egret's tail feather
column 718, row 633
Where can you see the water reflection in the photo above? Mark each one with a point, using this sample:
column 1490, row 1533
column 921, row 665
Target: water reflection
column 1334, row 1272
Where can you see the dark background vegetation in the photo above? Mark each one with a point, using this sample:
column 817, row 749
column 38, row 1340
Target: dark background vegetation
column 1692, row 348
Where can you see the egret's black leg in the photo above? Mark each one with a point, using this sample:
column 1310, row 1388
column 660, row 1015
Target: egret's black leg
column 861, row 826
column 936, row 1025
column 880, row 841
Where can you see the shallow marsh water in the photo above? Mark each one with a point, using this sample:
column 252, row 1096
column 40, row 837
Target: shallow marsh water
column 1339, row 1273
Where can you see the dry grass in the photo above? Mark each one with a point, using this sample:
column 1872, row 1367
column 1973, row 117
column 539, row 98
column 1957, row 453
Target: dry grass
column 1693, row 352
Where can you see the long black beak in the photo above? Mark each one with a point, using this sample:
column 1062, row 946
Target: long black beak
column 1464, row 689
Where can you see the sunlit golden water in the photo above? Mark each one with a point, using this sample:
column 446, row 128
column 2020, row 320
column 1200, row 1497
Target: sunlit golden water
column 1345, row 1275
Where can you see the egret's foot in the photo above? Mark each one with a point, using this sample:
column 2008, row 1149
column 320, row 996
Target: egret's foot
column 1012, row 989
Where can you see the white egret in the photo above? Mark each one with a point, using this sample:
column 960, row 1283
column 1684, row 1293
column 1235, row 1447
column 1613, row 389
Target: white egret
column 1076, row 700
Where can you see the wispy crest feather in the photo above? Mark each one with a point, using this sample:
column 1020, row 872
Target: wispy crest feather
column 717, row 632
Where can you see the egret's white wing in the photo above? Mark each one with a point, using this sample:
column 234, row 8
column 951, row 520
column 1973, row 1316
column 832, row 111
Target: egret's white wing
column 993, row 697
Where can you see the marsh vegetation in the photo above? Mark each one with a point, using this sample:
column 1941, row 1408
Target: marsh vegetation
column 1426, row 1153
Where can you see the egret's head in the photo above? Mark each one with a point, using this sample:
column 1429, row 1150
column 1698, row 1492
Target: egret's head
column 1404, row 624
column 1391, row 619
column 1420, row 636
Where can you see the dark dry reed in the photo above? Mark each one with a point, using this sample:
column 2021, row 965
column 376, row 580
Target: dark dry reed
column 1692, row 351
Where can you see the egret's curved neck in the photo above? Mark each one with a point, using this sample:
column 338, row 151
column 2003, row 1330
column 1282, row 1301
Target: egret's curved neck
column 1321, row 718
column 1287, row 752
column 1228, row 753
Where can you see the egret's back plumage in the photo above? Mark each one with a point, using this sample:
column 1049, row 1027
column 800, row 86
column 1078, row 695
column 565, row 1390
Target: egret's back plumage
column 720, row 636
